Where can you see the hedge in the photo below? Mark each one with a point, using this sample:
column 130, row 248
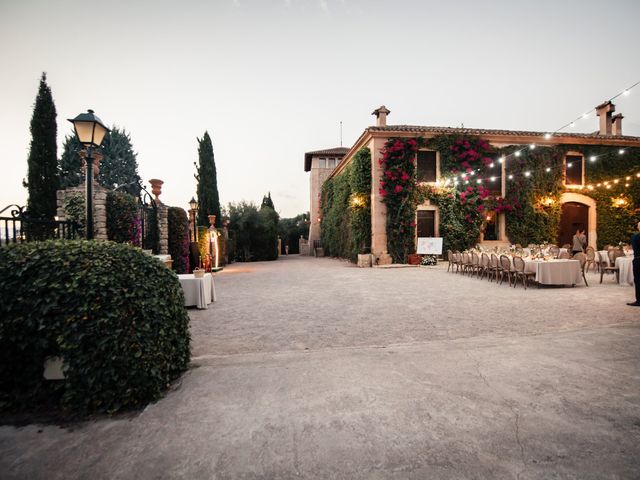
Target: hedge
column 122, row 213
column 178, row 226
column 112, row 313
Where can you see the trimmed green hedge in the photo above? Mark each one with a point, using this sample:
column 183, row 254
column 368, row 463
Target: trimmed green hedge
column 114, row 314
column 122, row 212
column 178, row 226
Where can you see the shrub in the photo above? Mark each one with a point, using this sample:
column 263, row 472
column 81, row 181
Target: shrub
column 75, row 210
column 113, row 314
column 178, row 225
column 122, row 212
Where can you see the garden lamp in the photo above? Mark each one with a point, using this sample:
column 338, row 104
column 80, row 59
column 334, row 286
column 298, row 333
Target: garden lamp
column 90, row 132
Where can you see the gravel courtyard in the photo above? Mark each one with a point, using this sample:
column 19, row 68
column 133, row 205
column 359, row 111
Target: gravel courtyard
column 313, row 368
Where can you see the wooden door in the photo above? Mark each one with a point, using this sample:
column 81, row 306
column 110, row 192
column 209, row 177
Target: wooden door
column 575, row 216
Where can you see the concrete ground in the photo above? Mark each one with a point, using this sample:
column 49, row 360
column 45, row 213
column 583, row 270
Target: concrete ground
column 313, row 368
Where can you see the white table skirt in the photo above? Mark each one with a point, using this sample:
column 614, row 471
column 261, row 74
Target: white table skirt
column 198, row 291
column 625, row 264
column 555, row 272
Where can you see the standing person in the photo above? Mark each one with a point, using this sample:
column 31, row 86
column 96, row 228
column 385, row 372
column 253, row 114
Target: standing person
column 579, row 240
column 635, row 244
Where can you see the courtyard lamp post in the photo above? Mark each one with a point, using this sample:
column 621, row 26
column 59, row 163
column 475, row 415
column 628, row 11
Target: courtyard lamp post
column 194, row 209
column 90, row 132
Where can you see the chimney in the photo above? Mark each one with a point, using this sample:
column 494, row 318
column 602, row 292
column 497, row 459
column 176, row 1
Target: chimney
column 616, row 125
column 381, row 113
column 604, row 111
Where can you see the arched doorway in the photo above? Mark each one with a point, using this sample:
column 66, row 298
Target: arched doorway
column 578, row 212
column 575, row 216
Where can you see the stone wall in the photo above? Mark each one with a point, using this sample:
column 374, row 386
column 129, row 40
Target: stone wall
column 163, row 225
column 99, row 207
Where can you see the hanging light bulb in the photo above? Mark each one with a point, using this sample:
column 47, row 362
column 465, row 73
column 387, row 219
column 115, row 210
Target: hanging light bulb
column 608, row 186
column 501, row 159
column 616, row 181
column 621, row 151
column 592, row 158
column 491, row 165
column 590, row 187
column 510, row 177
column 532, row 146
column 518, row 153
column 479, row 181
column 527, row 173
column 626, row 184
column 466, row 182
column 493, row 179
column 547, row 136
column 548, row 169
column 628, row 178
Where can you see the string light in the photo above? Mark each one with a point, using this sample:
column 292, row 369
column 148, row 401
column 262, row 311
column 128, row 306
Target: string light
column 592, row 158
column 621, row 151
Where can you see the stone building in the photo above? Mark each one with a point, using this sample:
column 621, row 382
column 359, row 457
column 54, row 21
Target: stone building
column 579, row 208
column 320, row 164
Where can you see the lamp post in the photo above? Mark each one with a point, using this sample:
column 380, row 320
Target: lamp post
column 90, row 132
column 194, row 208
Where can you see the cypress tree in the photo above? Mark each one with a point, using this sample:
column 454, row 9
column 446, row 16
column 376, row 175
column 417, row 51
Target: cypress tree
column 267, row 202
column 208, row 199
column 42, row 177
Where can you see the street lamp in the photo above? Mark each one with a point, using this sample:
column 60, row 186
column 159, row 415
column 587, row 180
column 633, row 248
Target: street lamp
column 90, row 132
column 194, row 208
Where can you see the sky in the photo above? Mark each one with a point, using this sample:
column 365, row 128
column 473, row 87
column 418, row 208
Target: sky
column 272, row 79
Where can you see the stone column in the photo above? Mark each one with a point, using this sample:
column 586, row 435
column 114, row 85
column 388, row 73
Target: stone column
column 99, row 212
column 378, row 208
column 163, row 226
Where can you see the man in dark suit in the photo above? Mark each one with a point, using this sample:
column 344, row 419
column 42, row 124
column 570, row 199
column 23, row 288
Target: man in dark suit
column 635, row 244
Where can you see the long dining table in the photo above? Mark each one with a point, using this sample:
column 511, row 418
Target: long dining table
column 625, row 265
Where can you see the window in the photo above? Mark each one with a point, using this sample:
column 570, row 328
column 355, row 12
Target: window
column 426, row 166
column 426, row 223
column 331, row 162
column 322, row 163
column 574, row 167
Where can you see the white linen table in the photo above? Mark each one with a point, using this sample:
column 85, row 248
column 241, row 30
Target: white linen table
column 625, row 264
column 555, row 272
column 198, row 291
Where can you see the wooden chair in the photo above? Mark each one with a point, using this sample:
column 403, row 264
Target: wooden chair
column 451, row 260
column 457, row 260
column 475, row 264
column 494, row 268
column 518, row 266
column 582, row 258
column 609, row 267
column 505, row 268
column 485, row 263
column 466, row 262
column 564, row 255
column 554, row 250
column 567, row 246
column 591, row 259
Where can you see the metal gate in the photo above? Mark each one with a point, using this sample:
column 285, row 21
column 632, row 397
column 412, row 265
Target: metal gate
column 149, row 225
column 21, row 227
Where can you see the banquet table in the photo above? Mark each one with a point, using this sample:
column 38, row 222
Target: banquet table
column 625, row 264
column 198, row 291
column 555, row 272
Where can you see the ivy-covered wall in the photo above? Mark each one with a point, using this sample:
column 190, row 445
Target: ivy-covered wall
column 346, row 209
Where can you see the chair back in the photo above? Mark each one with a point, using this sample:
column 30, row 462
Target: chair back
column 450, row 256
column 465, row 258
column 518, row 264
column 567, row 246
column 582, row 258
column 505, row 262
column 565, row 255
column 602, row 260
column 617, row 252
column 494, row 260
column 475, row 260
column 484, row 260
column 554, row 250
column 591, row 254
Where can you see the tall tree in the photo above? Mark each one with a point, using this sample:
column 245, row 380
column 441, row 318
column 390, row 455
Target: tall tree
column 42, row 177
column 118, row 168
column 208, row 199
column 267, row 202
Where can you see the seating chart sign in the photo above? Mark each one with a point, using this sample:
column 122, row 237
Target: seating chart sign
column 429, row 246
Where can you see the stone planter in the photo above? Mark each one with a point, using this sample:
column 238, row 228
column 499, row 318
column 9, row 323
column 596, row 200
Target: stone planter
column 414, row 259
column 365, row 260
column 156, row 187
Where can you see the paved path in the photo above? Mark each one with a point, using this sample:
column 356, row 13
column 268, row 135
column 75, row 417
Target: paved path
column 312, row 368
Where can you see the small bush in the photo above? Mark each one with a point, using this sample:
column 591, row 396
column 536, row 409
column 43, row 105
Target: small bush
column 122, row 212
column 75, row 210
column 178, row 225
column 114, row 315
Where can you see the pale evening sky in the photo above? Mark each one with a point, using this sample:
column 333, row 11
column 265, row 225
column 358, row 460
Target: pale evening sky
column 271, row 79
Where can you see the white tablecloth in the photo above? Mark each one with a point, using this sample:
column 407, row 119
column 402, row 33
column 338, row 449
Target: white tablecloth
column 555, row 272
column 198, row 291
column 625, row 264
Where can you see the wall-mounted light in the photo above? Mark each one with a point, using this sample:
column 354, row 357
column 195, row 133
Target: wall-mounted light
column 619, row 201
